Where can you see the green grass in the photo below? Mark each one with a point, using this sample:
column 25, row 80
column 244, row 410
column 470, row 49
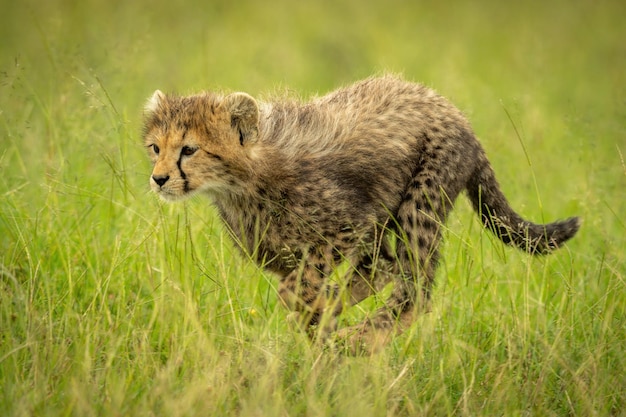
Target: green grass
column 112, row 303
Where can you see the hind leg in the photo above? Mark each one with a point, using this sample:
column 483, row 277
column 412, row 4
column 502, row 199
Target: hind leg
column 420, row 218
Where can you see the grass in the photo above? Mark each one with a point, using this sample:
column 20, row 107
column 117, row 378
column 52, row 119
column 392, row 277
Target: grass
column 112, row 303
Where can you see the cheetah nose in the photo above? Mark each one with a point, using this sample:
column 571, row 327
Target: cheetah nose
column 160, row 179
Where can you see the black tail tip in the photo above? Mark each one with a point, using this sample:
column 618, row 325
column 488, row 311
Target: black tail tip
column 558, row 233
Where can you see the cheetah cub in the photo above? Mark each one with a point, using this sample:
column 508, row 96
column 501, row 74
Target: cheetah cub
column 364, row 176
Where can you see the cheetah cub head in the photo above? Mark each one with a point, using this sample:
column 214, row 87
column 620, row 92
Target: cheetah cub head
column 199, row 143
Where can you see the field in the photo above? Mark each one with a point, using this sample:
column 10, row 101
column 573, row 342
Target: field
column 113, row 303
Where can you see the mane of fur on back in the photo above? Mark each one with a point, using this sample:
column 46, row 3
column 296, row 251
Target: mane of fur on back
column 298, row 129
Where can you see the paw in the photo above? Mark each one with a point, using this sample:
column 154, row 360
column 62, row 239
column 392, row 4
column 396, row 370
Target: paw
column 362, row 339
column 294, row 321
column 319, row 330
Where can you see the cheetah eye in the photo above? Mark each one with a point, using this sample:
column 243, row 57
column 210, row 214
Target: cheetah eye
column 187, row 150
column 155, row 148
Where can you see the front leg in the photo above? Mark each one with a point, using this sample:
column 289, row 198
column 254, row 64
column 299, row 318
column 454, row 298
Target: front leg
column 307, row 291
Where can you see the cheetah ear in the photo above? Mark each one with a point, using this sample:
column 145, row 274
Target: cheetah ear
column 244, row 115
column 154, row 102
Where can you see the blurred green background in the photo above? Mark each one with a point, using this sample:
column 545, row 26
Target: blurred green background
column 112, row 303
column 557, row 67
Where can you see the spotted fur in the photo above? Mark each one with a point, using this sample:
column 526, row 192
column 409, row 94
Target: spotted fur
column 365, row 175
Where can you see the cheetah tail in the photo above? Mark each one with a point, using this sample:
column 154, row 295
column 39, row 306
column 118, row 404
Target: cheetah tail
column 498, row 216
